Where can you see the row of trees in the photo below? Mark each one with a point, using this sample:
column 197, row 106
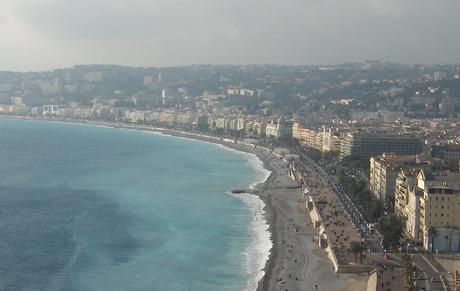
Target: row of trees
column 390, row 225
column 357, row 247
column 410, row 268
column 370, row 206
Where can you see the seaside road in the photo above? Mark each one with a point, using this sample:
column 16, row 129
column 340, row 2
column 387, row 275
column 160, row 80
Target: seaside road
column 427, row 275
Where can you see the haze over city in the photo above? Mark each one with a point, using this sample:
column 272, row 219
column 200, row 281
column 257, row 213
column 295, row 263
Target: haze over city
column 49, row 34
column 230, row 145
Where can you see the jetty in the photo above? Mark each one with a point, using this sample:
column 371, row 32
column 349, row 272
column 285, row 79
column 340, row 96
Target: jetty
column 247, row 191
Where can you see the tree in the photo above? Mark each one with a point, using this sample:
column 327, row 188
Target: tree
column 431, row 235
column 391, row 227
column 356, row 247
column 410, row 268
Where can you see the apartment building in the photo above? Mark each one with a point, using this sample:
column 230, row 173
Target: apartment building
column 278, row 129
column 407, row 202
column 429, row 201
column 440, row 210
column 383, row 171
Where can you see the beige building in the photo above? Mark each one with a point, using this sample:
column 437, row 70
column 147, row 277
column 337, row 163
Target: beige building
column 220, row 123
column 440, row 210
column 184, row 118
column 240, row 123
column 296, row 127
column 407, row 202
column 383, row 171
column 323, row 140
column 330, row 140
column 167, row 117
column 430, row 203
column 312, row 138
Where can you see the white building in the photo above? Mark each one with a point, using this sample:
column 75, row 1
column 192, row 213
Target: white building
column 51, row 110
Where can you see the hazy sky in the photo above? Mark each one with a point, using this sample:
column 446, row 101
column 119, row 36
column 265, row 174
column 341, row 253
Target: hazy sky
column 43, row 34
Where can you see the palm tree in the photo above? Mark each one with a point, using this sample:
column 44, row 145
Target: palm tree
column 431, row 235
column 355, row 249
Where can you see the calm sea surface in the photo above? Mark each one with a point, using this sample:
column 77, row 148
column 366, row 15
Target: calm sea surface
column 92, row 208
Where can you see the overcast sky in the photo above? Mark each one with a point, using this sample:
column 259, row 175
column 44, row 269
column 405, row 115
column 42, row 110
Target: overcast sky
column 44, row 34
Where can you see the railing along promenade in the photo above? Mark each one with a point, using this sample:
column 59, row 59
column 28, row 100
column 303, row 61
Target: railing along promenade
column 354, row 215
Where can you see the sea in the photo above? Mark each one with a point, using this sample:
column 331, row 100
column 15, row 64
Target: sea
column 86, row 207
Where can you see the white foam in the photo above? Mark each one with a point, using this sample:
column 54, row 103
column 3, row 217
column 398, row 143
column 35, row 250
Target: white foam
column 258, row 251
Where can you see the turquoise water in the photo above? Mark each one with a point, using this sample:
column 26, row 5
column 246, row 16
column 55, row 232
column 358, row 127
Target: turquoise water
column 93, row 208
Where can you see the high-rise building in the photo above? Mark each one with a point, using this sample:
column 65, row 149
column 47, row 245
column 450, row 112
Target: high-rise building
column 383, row 171
column 370, row 144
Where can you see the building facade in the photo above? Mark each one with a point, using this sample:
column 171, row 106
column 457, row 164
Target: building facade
column 383, row 171
column 365, row 145
column 407, row 202
column 446, row 152
column 429, row 202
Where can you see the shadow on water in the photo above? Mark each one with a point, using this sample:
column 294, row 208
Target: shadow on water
column 48, row 233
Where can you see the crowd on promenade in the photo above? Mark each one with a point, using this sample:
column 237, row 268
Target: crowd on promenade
column 339, row 228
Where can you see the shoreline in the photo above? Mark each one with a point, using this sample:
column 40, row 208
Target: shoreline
column 294, row 261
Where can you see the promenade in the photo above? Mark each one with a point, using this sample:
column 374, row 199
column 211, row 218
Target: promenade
column 339, row 224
